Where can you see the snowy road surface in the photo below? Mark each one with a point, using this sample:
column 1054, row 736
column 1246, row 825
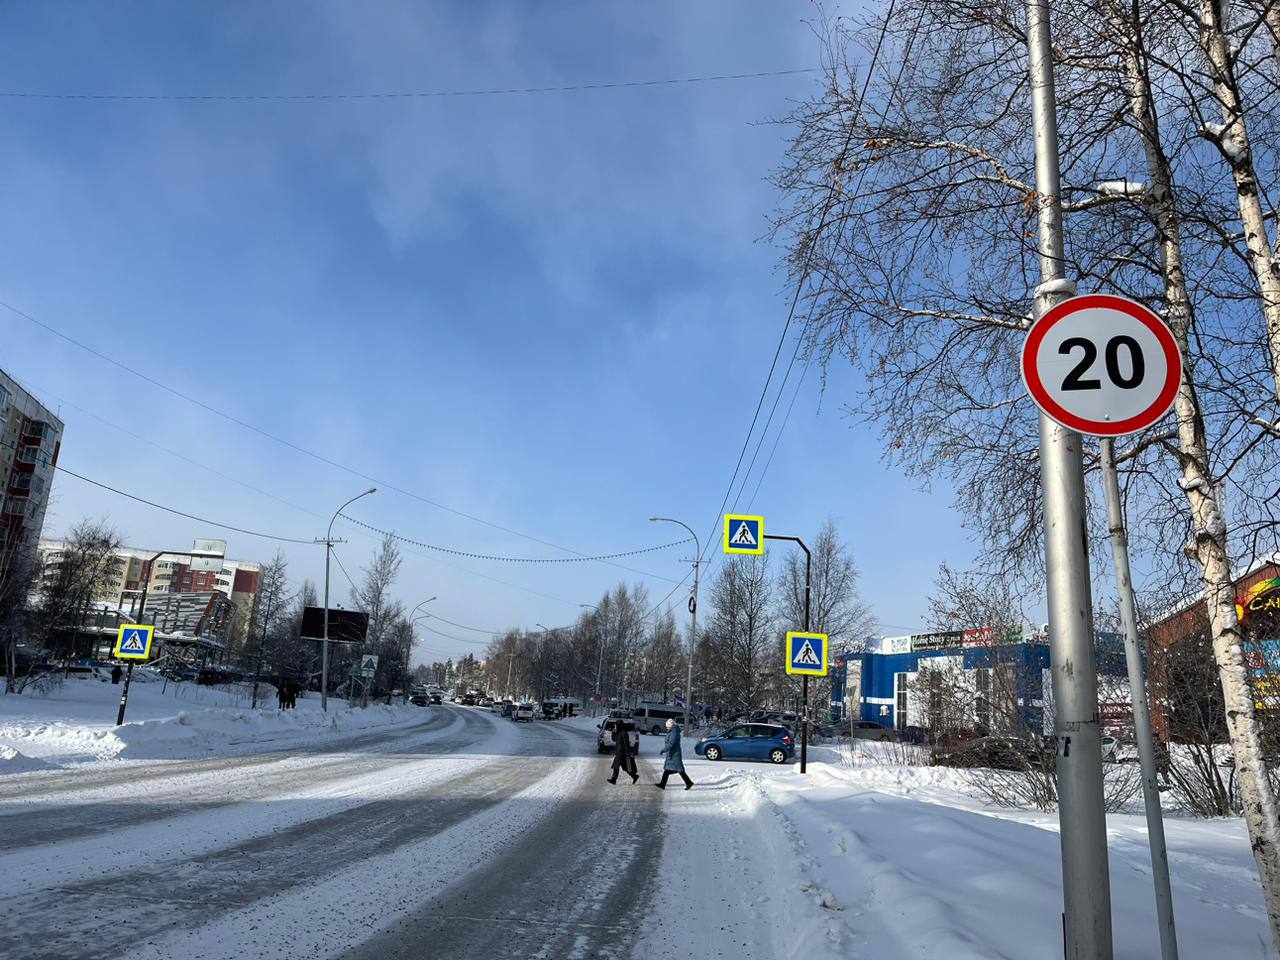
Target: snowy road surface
column 497, row 839
column 462, row 835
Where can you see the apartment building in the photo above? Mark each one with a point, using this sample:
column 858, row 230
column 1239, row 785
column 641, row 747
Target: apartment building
column 30, row 438
column 172, row 576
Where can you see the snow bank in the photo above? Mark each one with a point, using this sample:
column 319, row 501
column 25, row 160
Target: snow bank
column 873, row 858
column 76, row 723
column 11, row 761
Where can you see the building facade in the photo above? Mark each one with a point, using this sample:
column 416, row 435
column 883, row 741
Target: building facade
column 226, row 598
column 968, row 680
column 30, row 440
column 1185, row 695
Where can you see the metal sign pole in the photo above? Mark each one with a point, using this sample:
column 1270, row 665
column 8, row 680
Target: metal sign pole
column 804, row 709
column 1086, row 888
column 1141, row 713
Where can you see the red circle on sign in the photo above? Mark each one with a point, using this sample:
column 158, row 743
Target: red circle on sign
column 1103, row 428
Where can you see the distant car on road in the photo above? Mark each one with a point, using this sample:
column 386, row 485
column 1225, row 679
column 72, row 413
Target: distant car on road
column 436, row 698
column 606, row 737
column 870, row 730
column 508, row 708
column 419, row 699
column 749, row 741
column 468, row 700
column 523, row 711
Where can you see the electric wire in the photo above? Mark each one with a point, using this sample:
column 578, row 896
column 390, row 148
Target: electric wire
column 807, row 265
column 401, row 95
column 295, row 447
column 180, row 513
column 489, row 556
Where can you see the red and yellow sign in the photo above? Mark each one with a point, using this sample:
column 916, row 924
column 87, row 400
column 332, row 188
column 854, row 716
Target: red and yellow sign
column 1262, row 597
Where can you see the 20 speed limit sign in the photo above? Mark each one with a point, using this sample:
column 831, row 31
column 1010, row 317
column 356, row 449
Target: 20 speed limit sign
column 1101, row 365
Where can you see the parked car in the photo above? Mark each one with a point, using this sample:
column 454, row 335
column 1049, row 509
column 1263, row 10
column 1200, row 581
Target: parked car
column 508, row 708
column 606, row 737
column 870, row 730
column 522, row 711
column 419, row 699
column 749, row 741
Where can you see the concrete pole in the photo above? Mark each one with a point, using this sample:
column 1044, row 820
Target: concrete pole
column 1086, row 887
column 1141, row 713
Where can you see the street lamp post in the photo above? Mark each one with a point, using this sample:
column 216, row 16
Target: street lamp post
column 693, row 612
column 408, row 654
column 328, row 549
column 599, row 654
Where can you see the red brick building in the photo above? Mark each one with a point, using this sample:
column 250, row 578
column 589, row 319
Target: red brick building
column 1183, row 633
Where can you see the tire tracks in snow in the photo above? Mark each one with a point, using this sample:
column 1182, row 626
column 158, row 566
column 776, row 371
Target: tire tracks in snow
column 254, row 780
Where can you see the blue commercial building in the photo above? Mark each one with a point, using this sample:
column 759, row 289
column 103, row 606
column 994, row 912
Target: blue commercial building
column 880, row 686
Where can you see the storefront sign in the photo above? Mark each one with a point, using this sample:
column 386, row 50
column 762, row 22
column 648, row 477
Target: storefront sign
column 948, row 640
column 1263, row 597
column 991, row 636
column 896, row 645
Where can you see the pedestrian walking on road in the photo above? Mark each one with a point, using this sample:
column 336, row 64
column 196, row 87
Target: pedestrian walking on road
column 622, row 758
column 115, row 673
column 673, row 760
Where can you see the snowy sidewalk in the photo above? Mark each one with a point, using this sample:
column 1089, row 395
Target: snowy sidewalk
column 75, row 723
column 904, row 862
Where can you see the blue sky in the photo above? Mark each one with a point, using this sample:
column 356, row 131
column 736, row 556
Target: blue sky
column 551, row 311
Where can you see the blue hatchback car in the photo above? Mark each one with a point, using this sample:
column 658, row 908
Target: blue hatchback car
column 749, row 741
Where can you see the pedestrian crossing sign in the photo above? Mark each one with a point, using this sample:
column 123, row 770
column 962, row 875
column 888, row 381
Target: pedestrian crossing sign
column 743, row 534
column 133, row 642
column 807, row 654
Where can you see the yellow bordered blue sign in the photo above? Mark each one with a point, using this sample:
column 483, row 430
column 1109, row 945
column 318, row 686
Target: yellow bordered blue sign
column 133, row 642
column 807, row 654
column 743, row 534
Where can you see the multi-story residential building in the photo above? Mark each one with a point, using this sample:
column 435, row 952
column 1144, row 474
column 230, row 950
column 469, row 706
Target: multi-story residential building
column 30, row 438
column 172, row 575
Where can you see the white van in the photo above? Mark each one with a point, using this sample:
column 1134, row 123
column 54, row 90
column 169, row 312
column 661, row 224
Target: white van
column 653, row 717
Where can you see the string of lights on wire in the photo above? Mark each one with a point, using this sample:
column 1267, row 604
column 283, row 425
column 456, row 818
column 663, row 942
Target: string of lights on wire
column 490, row 556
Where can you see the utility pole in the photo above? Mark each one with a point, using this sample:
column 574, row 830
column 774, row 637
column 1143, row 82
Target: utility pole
column 1086, row 886
column 1138, row 697
column 693, row 613
column 328, row 549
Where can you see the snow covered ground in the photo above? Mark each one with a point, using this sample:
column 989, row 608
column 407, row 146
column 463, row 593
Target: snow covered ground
column 863, row 858
column 75, row 723
column 475, row 837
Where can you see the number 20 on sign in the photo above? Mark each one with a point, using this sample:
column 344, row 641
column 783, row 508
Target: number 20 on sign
column 1102, row 365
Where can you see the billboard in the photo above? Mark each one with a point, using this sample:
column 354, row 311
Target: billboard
column 207, row 555
column 345, row 626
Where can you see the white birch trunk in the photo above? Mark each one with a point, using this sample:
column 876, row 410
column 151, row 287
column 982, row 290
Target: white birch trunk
column 1209, row 521
column 1236, row 148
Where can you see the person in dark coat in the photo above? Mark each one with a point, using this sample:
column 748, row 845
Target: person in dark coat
column 115, row 673
column 672, row 759
column 622, row 758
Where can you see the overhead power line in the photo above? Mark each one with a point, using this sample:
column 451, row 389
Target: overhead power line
column 806, row 269
column 385, row 484
column 490, row 556
column 399, row 94
column 181, row 513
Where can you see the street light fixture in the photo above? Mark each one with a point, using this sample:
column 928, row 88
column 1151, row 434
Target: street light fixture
column 328, row 550
column 408, row 654
column 693, row 610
